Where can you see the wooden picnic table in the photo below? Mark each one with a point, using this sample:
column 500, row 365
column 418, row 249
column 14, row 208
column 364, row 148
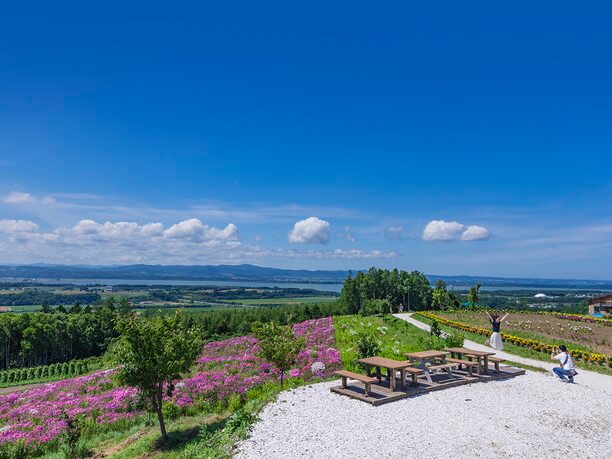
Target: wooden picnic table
column 390, row 365
column 478, row 355
column 425, row 357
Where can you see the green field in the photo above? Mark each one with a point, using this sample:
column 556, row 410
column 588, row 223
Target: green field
column 296, row 300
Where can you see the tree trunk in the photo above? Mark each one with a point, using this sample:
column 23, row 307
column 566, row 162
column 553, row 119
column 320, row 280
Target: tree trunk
column 160, row 415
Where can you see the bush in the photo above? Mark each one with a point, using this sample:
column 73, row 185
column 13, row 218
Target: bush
column 367, row 345
column 454, row 339
column 171, row 410
column 435, row 329
column 375, row 307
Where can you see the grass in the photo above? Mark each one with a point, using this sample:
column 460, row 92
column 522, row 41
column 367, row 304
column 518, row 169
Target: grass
column 396, row 337
column 520, row 350
column 211, row 434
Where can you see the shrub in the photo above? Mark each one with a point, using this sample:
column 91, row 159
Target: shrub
column 455, row 339
column 375, row 307
column 171, row 410
column 367, row 345
column 435, row 329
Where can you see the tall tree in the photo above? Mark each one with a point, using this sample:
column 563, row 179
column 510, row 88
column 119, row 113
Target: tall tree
column 153, row 353
column 440, row 299
column 473, row 295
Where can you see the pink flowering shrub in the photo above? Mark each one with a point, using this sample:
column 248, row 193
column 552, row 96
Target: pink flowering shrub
column 233, row 367
column 35, row 416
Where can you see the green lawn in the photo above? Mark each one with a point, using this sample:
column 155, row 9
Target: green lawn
column 520, row 350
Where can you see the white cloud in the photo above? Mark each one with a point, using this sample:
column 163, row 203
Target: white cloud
column 186, row 242
column 347, row 234
column 351, row 254
column 196, row 231
column 18, row 226
column 310, row 231
column 440, row 230
column 396, row 233
column 475, row 233
column 19, row 197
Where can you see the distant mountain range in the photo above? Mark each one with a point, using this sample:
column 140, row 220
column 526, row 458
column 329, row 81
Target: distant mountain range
column 252, row 273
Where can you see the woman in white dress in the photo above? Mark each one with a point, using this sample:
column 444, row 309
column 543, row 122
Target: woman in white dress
column 495, row 340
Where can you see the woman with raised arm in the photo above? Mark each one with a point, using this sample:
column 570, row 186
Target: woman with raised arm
column 495, row 340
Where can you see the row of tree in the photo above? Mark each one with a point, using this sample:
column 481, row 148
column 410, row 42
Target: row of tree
column 383, row 290
column 44, row 338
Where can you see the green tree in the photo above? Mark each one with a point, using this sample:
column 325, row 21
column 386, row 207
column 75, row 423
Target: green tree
column 153, row 353
column 440, row 299
column 473, row 295
column 278, row 345
column 46, row 308
column 124, row 306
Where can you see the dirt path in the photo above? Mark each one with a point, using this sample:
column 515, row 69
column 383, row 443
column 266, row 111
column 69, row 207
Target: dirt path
column 587, row 378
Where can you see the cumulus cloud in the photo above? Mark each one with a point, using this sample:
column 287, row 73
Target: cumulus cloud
column 440, row 230
column 19, row 197
column 310, row 231
column 395, row 233
column 196, row 231
column 475, row 233
column 187, row 242
column 18, row 226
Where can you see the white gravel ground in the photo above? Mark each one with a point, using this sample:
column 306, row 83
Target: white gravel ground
column 529, row 416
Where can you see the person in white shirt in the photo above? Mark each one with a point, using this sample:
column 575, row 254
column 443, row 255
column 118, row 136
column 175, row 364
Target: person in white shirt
column 566, row 371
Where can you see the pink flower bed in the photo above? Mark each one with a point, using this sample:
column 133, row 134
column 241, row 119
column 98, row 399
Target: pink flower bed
column 227, row 367
column 35, row 416
column 233, row 367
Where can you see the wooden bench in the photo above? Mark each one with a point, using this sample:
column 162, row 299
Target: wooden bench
column 443, row 366
column 366, row 380
column 469, row 364
column 413, row 372
column 496, row 361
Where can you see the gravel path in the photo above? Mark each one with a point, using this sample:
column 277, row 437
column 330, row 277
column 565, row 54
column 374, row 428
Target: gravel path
column 528, row 416
column 587, row 378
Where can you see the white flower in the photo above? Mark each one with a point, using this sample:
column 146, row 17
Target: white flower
column 317, row 368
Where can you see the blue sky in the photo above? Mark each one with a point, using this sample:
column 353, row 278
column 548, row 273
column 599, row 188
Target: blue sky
column 450, row 138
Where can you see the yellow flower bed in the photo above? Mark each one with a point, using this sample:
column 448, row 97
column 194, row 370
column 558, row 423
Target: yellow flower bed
column 530, row 343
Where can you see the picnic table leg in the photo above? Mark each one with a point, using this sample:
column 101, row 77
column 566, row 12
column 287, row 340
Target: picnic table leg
column 486, row 364
column 378, row 374
column 403, row 376
column 391, row 379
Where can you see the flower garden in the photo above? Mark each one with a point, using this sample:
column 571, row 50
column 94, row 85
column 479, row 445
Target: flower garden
column 538, row 334
column 34, row 420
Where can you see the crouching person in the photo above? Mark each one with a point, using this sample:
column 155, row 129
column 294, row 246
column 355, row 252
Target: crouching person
column 566, row 371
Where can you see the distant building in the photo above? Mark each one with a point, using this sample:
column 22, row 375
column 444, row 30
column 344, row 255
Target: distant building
column 601, row 305
column 540, row 295
column 6, row 309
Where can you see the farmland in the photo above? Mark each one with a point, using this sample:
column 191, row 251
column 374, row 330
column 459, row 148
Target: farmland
column 588, row 336
column 20, row 298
